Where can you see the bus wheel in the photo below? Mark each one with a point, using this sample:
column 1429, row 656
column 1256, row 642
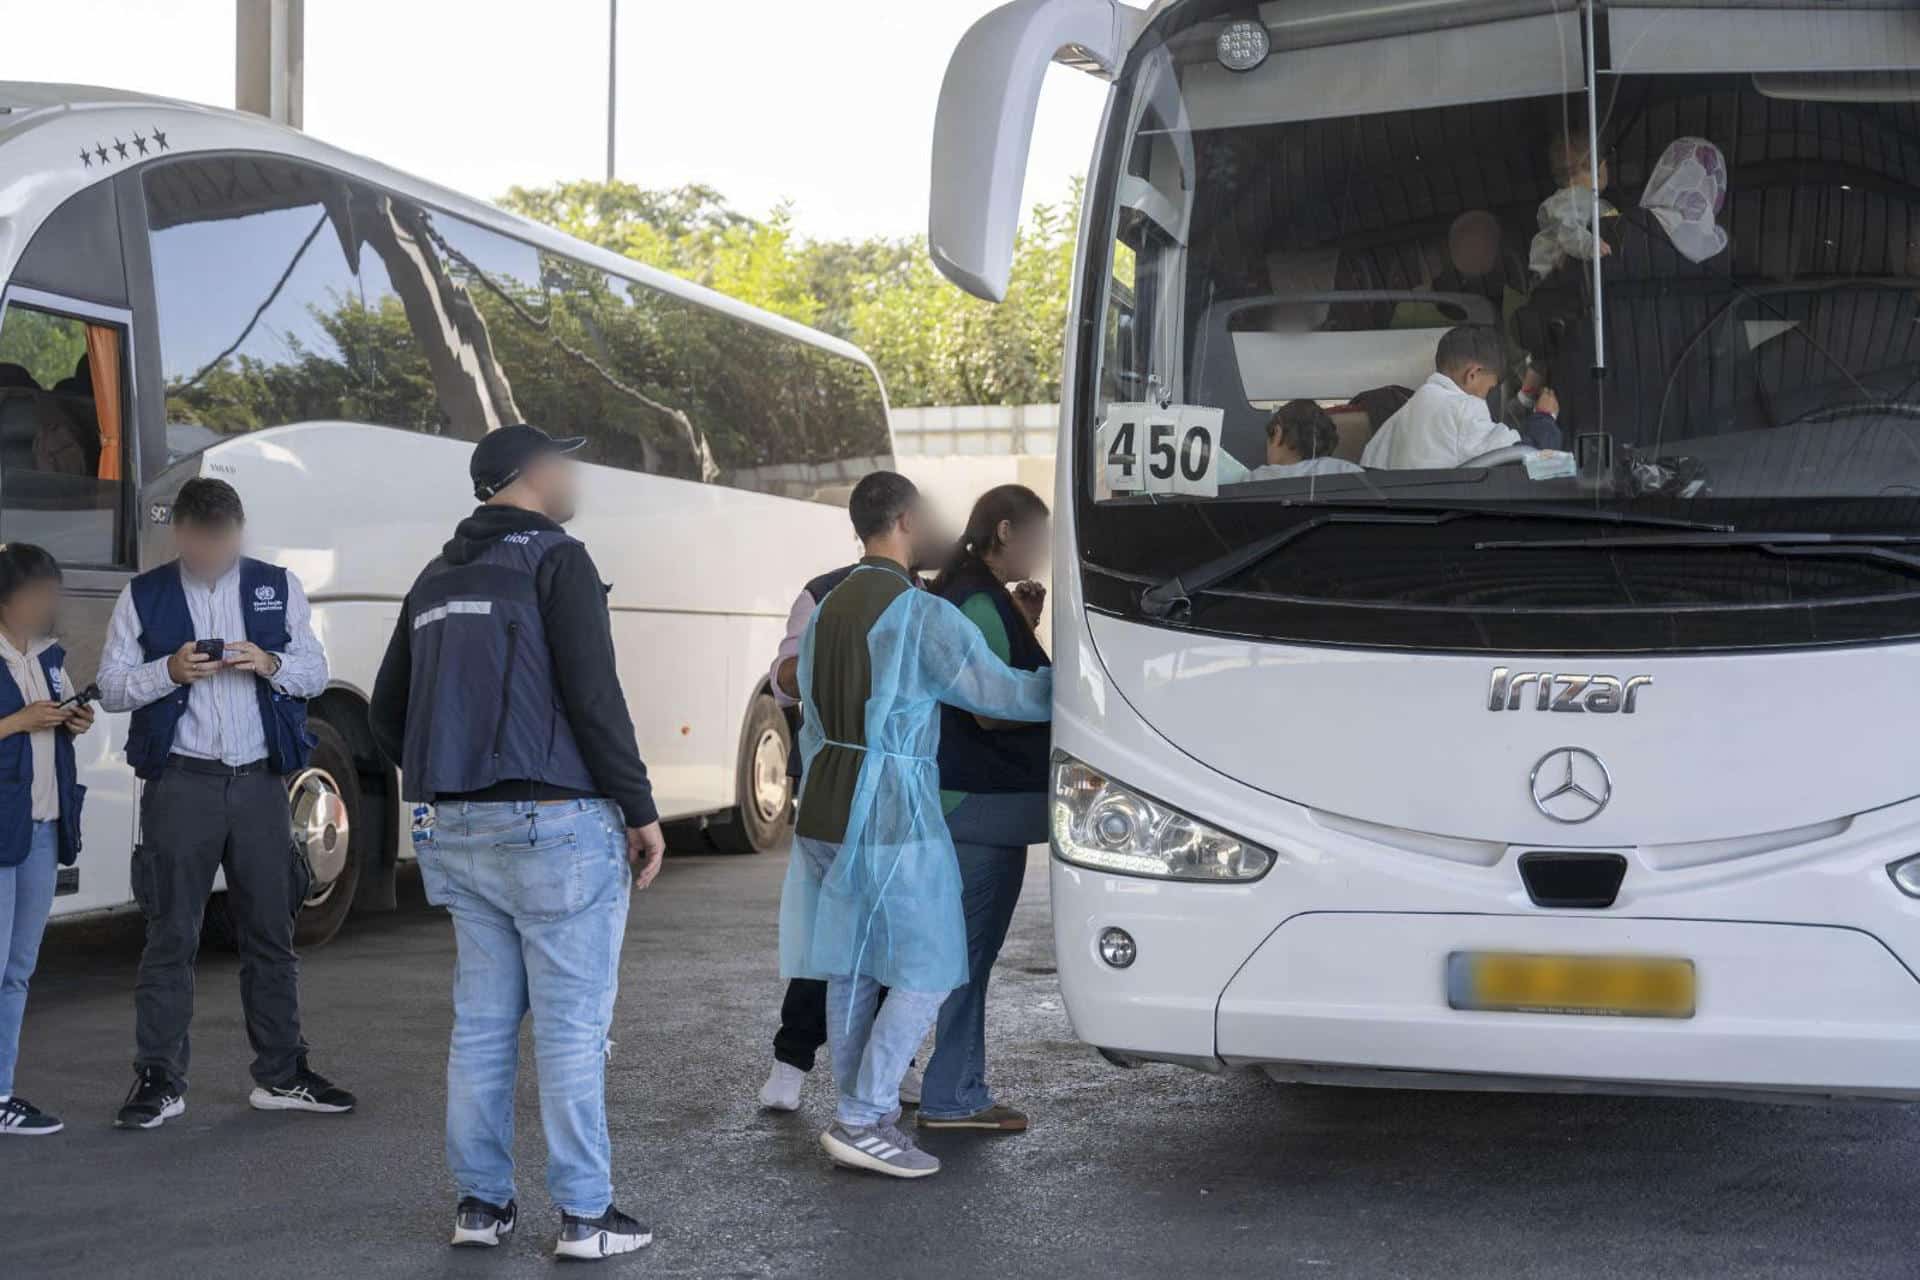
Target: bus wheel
column 328, row 826
column 763, row 817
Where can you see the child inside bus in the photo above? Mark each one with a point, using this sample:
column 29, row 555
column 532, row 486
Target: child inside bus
column 1447, row 422
column 1566, row 216
column 1301, row 439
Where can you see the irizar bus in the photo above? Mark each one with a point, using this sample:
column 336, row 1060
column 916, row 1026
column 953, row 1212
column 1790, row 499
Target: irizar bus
column 190, row 292
column 1591, row 768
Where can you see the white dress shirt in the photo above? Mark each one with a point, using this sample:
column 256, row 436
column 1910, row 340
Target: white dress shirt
column 222, row 719
column 1440, row 427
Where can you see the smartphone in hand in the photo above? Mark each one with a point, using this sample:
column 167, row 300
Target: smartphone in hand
column 215, row 649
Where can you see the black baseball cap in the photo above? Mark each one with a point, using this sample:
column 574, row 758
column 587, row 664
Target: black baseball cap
column 504, row 453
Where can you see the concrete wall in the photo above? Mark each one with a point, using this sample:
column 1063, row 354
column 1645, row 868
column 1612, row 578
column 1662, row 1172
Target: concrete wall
column 956, row 454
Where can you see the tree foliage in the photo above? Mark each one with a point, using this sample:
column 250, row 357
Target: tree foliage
column 933, row 343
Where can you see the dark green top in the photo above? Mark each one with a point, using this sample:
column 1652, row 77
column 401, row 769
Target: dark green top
column 841, row 683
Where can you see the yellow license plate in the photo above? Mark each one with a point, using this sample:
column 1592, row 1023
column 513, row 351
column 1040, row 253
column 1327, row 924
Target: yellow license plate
column 1527, row 982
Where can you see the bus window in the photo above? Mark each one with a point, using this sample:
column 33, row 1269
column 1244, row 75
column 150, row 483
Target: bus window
column 256, row 300
column 62, row 450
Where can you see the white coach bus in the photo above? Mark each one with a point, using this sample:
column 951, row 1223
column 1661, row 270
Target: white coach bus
column 196, row 292
column 1540, row 769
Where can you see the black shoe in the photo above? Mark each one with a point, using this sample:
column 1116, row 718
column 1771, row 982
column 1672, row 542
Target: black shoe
column 477, row 1223
column 304, row 1090
column 152, row 1101
column 20, row 1118
column 602, row 1237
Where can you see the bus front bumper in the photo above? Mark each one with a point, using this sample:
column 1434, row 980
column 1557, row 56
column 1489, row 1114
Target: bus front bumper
column 1363, row 998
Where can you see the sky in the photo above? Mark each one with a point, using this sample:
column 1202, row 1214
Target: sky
column 828, row 105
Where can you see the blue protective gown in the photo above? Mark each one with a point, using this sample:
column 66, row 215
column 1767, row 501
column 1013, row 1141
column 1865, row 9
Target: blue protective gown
column 889, row 907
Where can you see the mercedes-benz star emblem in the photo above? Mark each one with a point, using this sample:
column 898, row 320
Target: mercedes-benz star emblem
column 1570, row 785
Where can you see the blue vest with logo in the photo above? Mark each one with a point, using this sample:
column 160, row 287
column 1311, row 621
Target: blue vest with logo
column 16, row 774
column 166, row 624
column 483, row 706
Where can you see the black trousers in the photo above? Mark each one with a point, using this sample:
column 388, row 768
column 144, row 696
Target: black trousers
column 193, row 822
column 803, row 1022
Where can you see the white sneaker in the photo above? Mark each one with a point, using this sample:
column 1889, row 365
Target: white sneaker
column 781, row 1092
column 910, row 1088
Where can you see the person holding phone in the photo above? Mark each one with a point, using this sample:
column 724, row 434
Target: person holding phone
column 215, row 656
column 39, row 797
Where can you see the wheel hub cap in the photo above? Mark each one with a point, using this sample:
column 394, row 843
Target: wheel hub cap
column 320, row 828
column 771, row 787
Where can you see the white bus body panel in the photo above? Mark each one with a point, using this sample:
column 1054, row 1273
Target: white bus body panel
column 702, row 575
column 1772, row 880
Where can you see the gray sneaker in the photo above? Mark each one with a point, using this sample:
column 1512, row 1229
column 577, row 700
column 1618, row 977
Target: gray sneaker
column 880, row 1148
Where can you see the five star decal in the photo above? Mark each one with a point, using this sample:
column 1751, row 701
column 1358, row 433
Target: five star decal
column 142, row 144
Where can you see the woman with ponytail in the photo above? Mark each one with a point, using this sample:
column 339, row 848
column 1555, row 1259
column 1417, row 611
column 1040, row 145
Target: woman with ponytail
column 39, row 797
column 993, row 779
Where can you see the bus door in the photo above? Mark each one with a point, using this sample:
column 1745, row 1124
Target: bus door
column 69, row 469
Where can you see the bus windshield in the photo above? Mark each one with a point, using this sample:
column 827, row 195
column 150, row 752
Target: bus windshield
column 1430, row 268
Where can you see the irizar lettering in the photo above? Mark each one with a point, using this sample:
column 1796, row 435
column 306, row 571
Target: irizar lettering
column 1551, row 691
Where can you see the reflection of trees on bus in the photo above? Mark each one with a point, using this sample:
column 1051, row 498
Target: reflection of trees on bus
column 386, row 313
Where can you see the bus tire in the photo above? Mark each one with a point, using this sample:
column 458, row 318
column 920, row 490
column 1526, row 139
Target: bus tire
column 762, row 817
column 331, row 824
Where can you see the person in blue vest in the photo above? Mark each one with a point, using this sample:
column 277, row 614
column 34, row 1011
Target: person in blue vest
column 215, row 656
column 993, row 791
column 500, row 698
column 39, row 797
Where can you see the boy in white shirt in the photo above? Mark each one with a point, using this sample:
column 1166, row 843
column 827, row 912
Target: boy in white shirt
column 1447, row 422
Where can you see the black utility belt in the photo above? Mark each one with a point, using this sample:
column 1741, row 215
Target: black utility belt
column 194, row 764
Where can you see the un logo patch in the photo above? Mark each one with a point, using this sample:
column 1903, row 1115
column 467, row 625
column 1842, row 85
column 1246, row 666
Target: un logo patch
column 263, row 592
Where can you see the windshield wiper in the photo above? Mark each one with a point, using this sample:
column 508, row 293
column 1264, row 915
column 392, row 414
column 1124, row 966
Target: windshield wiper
column 1173, row 596
column 1878, row 547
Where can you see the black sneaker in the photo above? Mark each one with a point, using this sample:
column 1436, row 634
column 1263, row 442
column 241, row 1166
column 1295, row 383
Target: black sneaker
column 20, row 1118
column 152, row 1101
column 482, row 1225
column 304, row 1090
column 602, row 1237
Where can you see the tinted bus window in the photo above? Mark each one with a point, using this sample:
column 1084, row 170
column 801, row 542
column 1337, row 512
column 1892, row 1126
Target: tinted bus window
column 258, row 305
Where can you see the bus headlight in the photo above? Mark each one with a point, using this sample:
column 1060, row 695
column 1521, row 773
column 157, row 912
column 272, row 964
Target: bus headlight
column 1906, row 875
column 1102, row 824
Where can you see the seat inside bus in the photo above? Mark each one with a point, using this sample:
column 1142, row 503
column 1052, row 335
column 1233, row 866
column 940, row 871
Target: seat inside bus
column 1322, row 264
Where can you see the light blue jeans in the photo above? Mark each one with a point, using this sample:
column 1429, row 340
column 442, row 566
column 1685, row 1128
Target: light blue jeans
column 871, row 1043
column 26, row 900
column 538, row 895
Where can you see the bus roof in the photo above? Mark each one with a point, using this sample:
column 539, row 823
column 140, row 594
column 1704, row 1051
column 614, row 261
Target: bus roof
column 86, row 110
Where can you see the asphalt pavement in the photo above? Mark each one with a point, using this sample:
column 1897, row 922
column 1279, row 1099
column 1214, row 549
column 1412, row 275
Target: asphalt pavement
column 1157, row 1172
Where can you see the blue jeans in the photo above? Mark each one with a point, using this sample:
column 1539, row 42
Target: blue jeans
column 26, row 900
column 538, row 895
column 871, row 1041
column 990, row 837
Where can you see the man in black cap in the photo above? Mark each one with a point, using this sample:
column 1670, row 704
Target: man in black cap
column 500, row 701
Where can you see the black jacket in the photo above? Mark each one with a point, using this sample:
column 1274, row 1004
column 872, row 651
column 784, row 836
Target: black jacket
column 579, row 634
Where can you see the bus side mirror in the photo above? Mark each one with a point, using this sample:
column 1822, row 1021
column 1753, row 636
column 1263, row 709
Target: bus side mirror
column 984, row 126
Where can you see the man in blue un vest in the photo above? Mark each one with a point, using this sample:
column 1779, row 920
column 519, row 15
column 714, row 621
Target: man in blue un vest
column 500, row 700
column 215, row 729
